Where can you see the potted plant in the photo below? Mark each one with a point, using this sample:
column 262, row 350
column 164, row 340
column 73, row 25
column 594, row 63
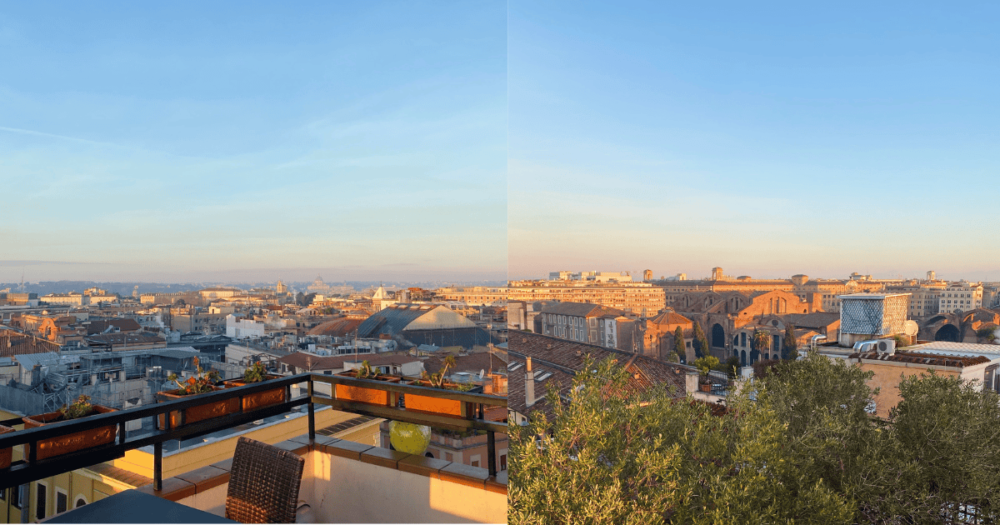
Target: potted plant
column 704, row 365
column 201, row 383
column 76, row 441
column 256, row 374
column 368, row 396
column 433, row 404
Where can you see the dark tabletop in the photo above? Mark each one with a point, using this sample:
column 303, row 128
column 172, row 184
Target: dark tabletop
column 133, row 506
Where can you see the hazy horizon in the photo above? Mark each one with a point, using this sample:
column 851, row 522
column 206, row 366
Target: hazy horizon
column 769, row 138
column 179, row 142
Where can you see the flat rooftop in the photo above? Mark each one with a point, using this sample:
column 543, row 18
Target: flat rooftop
column 871, row 295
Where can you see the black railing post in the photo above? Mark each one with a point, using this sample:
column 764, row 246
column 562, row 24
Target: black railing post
column 491, row 451
column 312, row 412
column 32, row 452
column 158, row 465
column 121, row 433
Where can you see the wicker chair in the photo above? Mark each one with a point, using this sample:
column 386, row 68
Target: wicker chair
column 263, row 484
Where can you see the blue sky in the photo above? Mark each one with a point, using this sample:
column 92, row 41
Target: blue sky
column 253, row 141
column 766, row 138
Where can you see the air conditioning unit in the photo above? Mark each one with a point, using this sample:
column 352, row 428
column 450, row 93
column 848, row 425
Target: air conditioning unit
column 879, row 346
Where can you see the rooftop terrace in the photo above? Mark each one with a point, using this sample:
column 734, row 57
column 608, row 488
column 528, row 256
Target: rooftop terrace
column 344, row 481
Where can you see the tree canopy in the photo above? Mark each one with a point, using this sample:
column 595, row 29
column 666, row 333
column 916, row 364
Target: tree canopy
column 798, row 445
column 679, row 344
column 700, row 342
column 789, row 344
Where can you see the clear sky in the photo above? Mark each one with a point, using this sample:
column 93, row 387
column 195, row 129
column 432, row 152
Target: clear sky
column 185, row 141
column 766, row 138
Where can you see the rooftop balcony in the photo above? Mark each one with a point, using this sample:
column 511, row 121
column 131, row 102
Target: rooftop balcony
column 343, row 481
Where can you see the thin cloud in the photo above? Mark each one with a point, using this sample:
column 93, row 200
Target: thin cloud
column 60, row 137
column 39, row 263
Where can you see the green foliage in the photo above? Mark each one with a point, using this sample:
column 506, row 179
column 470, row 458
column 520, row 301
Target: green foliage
column 200, row 383
column 653, row 459
column 366, row 371
column 760, row 341
column 789, row 344
column 437, row 379
column 255, row 374
column 901, row 341
column 948, row 445
column 80, row 408
column 700, row 342
column 672, row 357
column 704, row 364
column 806, row 451
column 679, row 344
column 731, row 366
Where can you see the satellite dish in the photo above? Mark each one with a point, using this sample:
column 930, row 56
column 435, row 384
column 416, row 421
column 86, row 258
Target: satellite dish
column 911, row 328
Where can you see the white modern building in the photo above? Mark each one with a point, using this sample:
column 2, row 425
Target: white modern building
column 239, row 328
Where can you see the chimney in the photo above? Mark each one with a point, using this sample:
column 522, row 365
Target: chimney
column 691, row 381
column 529, row 384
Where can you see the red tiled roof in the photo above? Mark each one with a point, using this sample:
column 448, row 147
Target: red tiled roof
column 565, row 358
column 100, row 325
column 670, row 318
column 15, row 343
column 468, row 363
column 923, row 358
column 311, row 362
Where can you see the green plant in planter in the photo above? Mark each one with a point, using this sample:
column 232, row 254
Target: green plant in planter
column 437, row 379
column 704, row 365
column 80, row 408
column 255, row 374
column 202, row 383
column 366, row 371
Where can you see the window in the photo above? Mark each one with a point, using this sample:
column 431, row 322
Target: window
column 17, row 496
column 503, row 461
column 41, row 496
column 80, row 501
column 62, row 501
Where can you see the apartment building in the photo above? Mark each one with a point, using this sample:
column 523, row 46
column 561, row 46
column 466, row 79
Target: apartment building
column 71, row 299
column 960, row 296
column 473, row 295
column 638, row 298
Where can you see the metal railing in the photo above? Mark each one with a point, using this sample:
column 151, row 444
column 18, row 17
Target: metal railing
column 32, row 469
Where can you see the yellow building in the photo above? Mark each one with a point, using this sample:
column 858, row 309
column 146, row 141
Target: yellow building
column 973, row 363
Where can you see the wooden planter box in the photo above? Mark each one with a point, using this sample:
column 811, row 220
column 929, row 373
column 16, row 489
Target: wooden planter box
column 435, row 405
column 368, row 396
column 260, row 399
column 706, row 387
column 58, row 446
column 5, row 454
column 187, row 416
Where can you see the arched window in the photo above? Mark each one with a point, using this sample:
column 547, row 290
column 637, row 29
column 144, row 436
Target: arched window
column 80, row 501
